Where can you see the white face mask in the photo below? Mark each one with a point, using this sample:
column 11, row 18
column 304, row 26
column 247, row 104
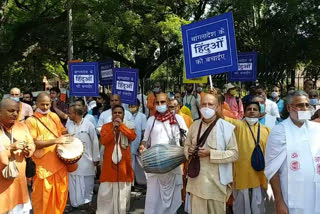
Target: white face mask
column 43, row 112
column 162, row 108
column 207, row 113
column 304, row 116
column 274, row 94
column 251, row 121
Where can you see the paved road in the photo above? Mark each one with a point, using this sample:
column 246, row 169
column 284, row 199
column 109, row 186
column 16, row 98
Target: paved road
column 138, row 201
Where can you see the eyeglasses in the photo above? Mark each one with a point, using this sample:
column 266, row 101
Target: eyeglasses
column 301, row 105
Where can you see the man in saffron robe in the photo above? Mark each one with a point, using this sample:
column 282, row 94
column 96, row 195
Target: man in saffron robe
column 117, row 173
column 50, row 188
column 16, row 142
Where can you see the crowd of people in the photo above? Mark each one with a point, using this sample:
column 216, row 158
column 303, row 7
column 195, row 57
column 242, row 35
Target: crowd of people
column 242, row 152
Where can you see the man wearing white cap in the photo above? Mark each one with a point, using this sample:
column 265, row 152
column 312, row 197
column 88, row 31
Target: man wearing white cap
column 235, row 104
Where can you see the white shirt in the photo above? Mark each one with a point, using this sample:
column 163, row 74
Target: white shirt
column 270, row 121
column 106, row 117
column 87, row 134
column 89, row 117
column 91, row 105
column 162, row 132
column 144, row 103
column 194, row 102
column 272, row 108
column 140, row 121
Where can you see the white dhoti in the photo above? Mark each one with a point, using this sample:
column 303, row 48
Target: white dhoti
column 163, row 193
column 21, row 209
column 249, row 203
column 114, row 197
column 80, row 189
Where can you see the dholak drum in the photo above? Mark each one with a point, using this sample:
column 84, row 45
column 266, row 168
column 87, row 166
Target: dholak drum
column 162, row 158
column 71, row 152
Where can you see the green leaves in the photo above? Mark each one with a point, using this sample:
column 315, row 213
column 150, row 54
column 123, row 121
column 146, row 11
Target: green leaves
column 143, row 34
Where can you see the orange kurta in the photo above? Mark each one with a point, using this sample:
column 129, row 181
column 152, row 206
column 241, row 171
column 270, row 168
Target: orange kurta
column 14, row 192
column 151, row 104
column 109, row 169
column 50, row 189
column 202, row 94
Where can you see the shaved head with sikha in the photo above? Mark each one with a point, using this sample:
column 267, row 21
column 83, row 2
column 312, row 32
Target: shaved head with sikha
column 9, row 112
column 162, row 96
column 115, row 100
column 211, row 101
column 43, row 102
column 15, row 92
column 43, row 96
column 5, row 103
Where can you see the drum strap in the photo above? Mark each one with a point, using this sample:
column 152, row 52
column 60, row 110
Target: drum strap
column 149, row 137
column 45, row 126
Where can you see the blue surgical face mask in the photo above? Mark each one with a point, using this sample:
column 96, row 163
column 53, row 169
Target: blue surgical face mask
column 262, row 108
column 162, row 108
column 17, row 99
column 314, row 102
column 199, row 89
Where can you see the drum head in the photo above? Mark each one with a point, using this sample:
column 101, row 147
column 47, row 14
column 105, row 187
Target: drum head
column 71, row 150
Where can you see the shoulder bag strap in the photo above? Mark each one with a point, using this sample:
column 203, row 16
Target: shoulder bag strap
column 45, row 126
column 205, row 135
column 203, row 138
column 257, row 141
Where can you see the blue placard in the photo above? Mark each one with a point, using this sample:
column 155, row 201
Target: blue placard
column 105, row 72
column 125, row 83
column 209, row 46
column 84, row 79
column 247, row 72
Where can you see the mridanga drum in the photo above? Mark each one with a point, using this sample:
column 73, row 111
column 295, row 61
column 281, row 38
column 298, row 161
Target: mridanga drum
column 162, row 158
column 71, row 152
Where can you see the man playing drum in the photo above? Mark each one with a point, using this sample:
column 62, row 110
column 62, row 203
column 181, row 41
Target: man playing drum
column 50, row 188
column 81, row 182
column 117, row 173
column 163, row 190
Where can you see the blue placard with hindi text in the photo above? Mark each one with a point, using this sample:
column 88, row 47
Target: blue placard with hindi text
column 247, row 72
column 125, row 83
column 84, row 79
column 106, row 72
column 209, row 46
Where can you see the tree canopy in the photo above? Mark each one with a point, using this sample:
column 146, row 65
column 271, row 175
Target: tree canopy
column 143, row 34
